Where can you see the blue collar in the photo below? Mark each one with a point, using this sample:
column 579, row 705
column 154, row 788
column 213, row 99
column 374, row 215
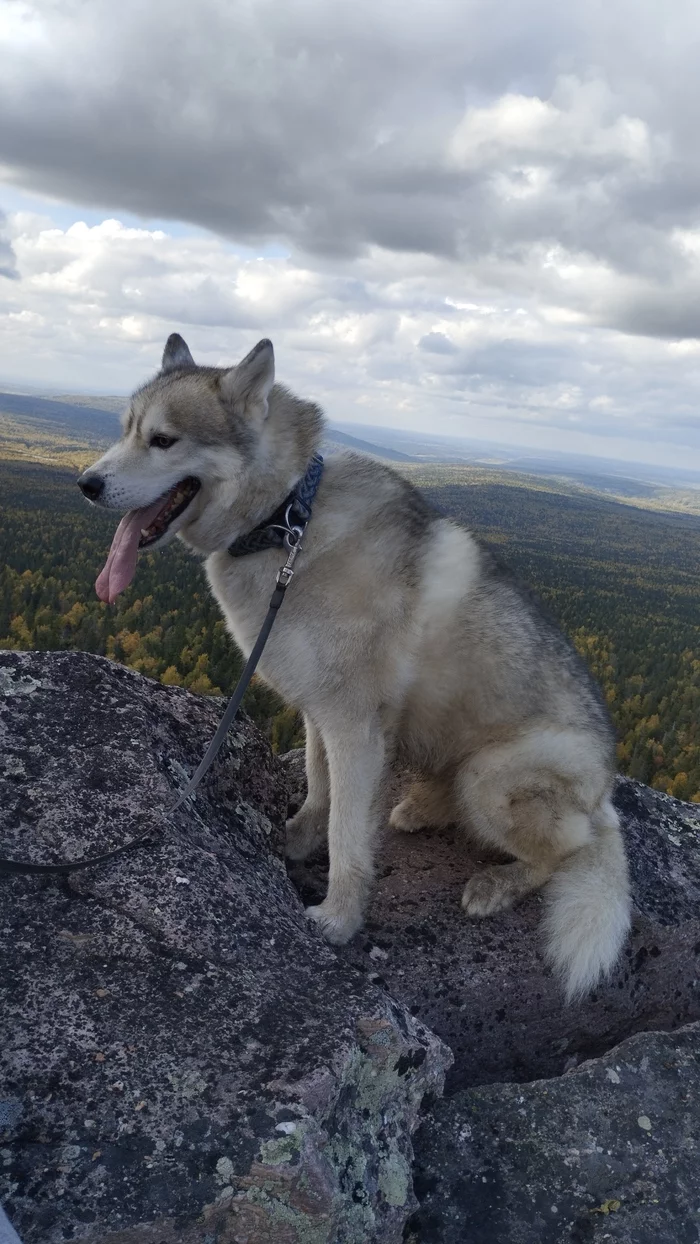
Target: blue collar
column 289, row 519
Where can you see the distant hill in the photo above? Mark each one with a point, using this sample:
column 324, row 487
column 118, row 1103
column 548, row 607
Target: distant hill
column 602, row 474
column 335, row 439
column 76, row 420
column 114, row 404
column 67, row 429
column 94, row 421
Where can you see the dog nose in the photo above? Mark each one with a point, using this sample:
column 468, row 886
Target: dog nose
column 91, row 486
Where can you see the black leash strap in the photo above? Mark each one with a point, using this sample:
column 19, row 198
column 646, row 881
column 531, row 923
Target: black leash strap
column 235, row 702
column 284, row 576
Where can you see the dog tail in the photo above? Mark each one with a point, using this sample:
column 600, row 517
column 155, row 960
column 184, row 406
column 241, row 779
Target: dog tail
column 588, row 915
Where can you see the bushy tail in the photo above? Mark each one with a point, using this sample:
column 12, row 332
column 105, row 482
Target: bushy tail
column 588, row 915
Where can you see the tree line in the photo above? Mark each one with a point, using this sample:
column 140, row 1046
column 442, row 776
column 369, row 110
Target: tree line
column 623, row 583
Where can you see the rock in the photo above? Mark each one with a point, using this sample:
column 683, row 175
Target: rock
column 609, row 1151
column 482, row 985
column 293, row 764
column 183, row 1058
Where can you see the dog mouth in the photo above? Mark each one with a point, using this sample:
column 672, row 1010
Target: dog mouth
column 140, row 529
column 175, row 503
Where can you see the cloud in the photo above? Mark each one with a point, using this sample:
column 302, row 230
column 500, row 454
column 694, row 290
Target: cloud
column 374, row 340
column 485, row 222
column 437, row 343
column 340, row 127
column 8, row 266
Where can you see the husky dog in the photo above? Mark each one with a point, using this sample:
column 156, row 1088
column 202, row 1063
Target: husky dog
column 401, row 638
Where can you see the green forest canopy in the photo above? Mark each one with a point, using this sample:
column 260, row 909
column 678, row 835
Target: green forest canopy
column 623, row 582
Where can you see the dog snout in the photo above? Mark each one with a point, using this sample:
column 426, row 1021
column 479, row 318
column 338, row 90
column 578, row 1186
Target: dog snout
column 91, row 485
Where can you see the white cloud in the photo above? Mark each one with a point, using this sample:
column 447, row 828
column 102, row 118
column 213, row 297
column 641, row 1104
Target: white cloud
column 7, row 258
column 431, row 128
column 490, row 223
column 581, row 121
column 424, row 348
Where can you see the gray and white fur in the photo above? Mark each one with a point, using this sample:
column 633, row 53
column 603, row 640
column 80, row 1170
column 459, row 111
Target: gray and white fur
column 401, row 639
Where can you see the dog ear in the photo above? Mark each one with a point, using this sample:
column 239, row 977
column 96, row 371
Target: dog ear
column 176, row 354
column 248, row 385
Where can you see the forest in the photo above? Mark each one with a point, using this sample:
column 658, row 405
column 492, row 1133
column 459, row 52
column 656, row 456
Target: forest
column 623, row 583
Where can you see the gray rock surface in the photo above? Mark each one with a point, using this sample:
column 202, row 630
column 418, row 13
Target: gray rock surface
column 609, row 1151
column 483, row 986
column 182, row 1058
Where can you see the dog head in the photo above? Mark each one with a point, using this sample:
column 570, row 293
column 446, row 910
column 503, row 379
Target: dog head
column 189, row 437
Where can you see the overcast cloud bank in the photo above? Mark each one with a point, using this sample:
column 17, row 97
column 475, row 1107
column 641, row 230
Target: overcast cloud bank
column 491, row 225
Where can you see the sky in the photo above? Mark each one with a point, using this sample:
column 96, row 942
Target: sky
column 450, row 216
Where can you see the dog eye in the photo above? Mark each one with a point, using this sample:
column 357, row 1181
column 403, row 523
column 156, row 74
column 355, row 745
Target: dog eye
column 163, row 442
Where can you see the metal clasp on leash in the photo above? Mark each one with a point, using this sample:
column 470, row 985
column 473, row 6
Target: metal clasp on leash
column 285, row 572
column 292, row 542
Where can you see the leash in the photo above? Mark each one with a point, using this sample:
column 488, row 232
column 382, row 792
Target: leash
column 288, row 534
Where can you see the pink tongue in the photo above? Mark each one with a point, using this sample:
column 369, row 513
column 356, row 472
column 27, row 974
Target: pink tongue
column 120, row 567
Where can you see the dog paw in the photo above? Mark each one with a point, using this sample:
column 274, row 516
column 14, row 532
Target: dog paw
column 306, row 832
column 406, row 817
column 337, row 927
column 486, row 893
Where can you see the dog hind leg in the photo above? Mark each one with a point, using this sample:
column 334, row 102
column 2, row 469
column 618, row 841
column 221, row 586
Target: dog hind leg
column 544, row 799
column 429, row 804
column 523, row 811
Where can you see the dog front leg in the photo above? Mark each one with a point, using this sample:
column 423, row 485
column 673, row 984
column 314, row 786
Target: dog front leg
column 307, row 829
column 356, row 759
